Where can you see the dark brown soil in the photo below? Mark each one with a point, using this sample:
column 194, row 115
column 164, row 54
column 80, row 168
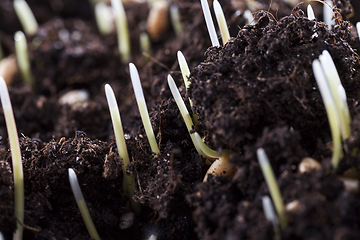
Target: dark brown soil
column 256, row 91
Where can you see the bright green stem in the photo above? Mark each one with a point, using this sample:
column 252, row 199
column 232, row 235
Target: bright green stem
column 26, row 17
column 23, row 58
column 184, row 113
column 16, row 158
column 140, row 99
column 208, row 151
column 273, row 186
column 75, row 187
column 122, row 31
column 128, row 181
column 220, row 17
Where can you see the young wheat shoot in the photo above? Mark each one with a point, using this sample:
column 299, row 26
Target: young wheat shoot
column 331, row 110
column 23, row 58
column 338, row 93
column 358, row 29
column 175, row 20
column 122, row 30
column 220, row 17
column 145, row 43
column 270, row 215
column 16, row 158
column 140, row 99
column 272, row 185
column 208, row 151
column 75, row 187
column 184, row 112
column 103, row 18
column 249, row 17
column 310, row 13
column 26, row 17
column 209, row 23
column 328, row 13
column 128, row 180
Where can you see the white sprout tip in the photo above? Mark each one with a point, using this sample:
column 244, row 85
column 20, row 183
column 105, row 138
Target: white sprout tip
column 135, row 79
column 75, row 185
column 269, row 209
column 358, row 28
column 180, row 56
column 4, row 93
column 209, row 23
column 342, row 93
column 152, row 237
column 310, row 12
column 110, row 96
column 262, row 157
column 173, row 88
column 321, row 82
column 19, row 35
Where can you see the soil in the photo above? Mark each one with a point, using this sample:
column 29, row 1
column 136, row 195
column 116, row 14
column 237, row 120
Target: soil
column 256, row 91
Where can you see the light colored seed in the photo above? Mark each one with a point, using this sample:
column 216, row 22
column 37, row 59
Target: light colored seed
column 126, row 220
column 351, row 185
column 8, row 68
column 293, row 206
column 308, row 164
column 221, row 167
column 74, row 97
column 158, row 19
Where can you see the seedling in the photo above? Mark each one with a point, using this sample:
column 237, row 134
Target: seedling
column 122, row 30
column 220, row 17
column 328, row 13
column 358, row 29
column 140, row 99
column 145, row 43
column 270, row 215
column 16, row 158
column 310, row 13
column 208, row 151
column 175, row 20
column 184, row 112
column 331, row 110
column 23, row 58
column 103, row 18
column 26, row 17
column 272, row 185
column 338, row 92
column 128, row 180
column 249, row 17
column 209, row 23
column 75, row 187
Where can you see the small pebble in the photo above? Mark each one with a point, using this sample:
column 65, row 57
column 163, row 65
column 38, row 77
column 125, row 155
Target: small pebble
column 308, row 164
column 74, row 97
column 126, row 220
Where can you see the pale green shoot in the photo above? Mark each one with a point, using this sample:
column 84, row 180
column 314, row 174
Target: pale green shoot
column 272, row 185
column 220, row 17
column 249, row 17
column 16, row 158
column 175, row 20
column 128, row 181
column 184, row 112
column 103, row 18
column 184, row 68
column 140, row 99
column 75, row 187
column 331, row 110
column 310, row 12
column 209, row 23
column 338, row 93
column 1, row 236
column 208, row 151
column 26, row 17
column 145, row 43
column 270, row 215
column 122, row 30
column 23, row 58
column 358, row 29
column 328, row 13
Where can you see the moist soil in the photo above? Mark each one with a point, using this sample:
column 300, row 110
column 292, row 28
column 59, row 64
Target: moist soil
column 256, row 91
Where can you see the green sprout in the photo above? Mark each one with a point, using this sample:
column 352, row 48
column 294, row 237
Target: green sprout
column 128, row 180
column 270, row 215
column 145, row 43
column 16, row 158
column 185, row 71
column 103, row 18
column 209, row 23
column 208, row 151
column 26, row 17
column 310, row 13
column 220, row 17
column 140, row 99
column 331, row 110
column 75, row 187
column 23, row 58
column 175, row 20
column 338, row 93
column 122, row 30
column 184, row 112
column 272, row 185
